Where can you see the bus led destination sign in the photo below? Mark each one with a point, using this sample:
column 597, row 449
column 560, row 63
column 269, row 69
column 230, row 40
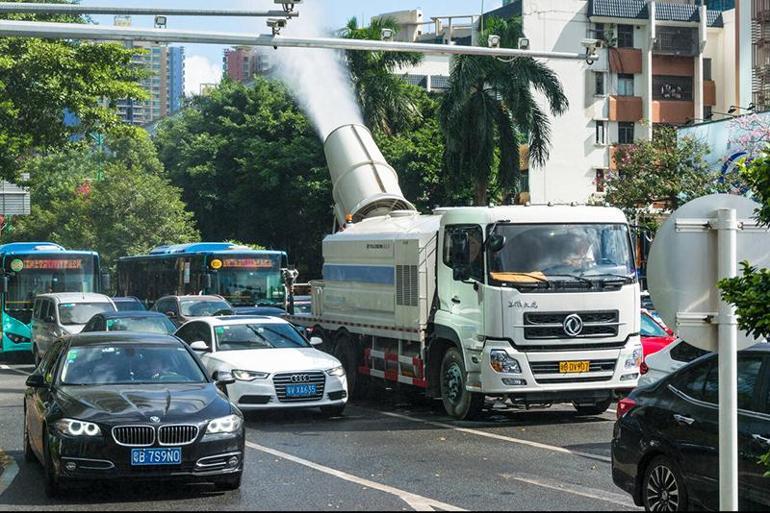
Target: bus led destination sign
column 247, row 263
column 48, row 264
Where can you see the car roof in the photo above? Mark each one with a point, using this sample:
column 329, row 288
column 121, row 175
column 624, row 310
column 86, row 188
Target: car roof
column 132, row 314
column 119, row 337
column 762, row 347
column 233, row 320
column 77, row 297
column 126, row 299
column 192, row 296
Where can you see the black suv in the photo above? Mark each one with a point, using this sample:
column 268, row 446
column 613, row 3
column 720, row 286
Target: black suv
column 665, row 448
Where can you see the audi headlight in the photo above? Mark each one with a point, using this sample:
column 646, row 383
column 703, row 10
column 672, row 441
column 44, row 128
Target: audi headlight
column 72, row 427
column 501, row 362
column 224, row 425
column 244, row 375
column 636, row 358
column 336, row 371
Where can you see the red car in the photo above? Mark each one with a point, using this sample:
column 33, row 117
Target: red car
column 654, row 336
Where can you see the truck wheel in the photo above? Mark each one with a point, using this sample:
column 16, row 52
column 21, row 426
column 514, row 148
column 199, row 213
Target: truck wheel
column 458, row 402
column 345, row 351
column 592, row 409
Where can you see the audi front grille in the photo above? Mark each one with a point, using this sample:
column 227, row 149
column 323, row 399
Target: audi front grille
column 280, row 381
column 134, row 436
column 177, row 435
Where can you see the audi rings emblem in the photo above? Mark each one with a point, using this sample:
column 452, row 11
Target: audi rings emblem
column 300, row 378
column 573, row 325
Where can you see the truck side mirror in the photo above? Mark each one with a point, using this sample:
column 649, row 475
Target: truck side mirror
column 106, row 282
column 496, row 242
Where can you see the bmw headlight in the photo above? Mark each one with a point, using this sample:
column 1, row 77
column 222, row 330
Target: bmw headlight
column 636, row 358
column 224, row 425
column 501, row 362
column 336, row 371
column 72, row 427
column 244, row 375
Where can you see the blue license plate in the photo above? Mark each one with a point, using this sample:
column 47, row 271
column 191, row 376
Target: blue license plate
column 164, row 456
column 300, row 390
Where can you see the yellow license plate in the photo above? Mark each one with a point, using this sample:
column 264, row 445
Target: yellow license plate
column 574, row 367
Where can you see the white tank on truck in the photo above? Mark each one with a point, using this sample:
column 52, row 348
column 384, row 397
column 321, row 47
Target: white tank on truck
column 535, row 304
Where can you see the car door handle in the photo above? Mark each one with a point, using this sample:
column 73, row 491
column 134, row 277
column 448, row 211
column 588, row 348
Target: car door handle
column 456, row 300
column 761, row 439
column 682, row 420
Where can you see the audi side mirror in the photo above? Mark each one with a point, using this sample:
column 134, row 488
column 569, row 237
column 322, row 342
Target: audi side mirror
column 222, row 378
column 316, row 341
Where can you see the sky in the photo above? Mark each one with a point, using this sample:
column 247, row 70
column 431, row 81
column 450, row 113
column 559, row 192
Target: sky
column 204, row 62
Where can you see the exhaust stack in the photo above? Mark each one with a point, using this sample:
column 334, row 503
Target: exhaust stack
column 364, row 184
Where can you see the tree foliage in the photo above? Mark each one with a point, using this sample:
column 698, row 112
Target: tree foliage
column 40, row 80
column 491, row 108
column 111, row 203
column 383, row 96
column 252, row 169
column 656, row 177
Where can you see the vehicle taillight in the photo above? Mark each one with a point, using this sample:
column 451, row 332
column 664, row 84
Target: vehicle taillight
column 644, row 369
column 625, row 406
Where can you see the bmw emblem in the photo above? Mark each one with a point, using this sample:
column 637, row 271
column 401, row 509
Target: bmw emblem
column 155, row 420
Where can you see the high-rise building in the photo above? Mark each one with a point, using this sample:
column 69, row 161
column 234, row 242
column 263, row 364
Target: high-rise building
column 164, row 83
column 243, row 63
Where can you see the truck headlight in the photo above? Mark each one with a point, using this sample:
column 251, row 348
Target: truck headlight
column 244, row 375
column 636, row 358
column 224, row 425
column 337, row 371
column 72, row 427
column 501, row 362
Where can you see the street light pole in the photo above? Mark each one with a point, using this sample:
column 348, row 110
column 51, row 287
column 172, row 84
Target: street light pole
column 32, row 8
column 79, row 31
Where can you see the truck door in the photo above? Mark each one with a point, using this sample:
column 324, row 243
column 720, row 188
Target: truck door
column 464, row 294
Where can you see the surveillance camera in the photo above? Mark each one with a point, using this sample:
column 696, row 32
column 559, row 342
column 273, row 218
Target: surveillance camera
column 494, row 41
column 285, row 2
column 591, row 45
column 523, row 43
column 387, row 34
column 276, row 23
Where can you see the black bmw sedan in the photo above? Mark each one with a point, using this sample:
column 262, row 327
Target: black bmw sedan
column 130, row 406
column 665, row 448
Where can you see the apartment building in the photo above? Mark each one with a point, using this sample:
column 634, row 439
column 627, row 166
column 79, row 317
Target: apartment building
column 243, row 63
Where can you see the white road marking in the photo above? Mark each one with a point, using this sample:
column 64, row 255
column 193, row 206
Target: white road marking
column 503, row 438
column 17, row 371
column 416, row 502
column 590, row 493
column 10, row 470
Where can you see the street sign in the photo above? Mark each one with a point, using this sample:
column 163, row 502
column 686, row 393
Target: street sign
column 682, row 268
column 699, row 245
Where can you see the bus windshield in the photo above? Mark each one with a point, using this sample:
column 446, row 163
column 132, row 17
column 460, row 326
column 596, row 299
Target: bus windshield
column 250, row 281
column 31, row 275
column 541, row 254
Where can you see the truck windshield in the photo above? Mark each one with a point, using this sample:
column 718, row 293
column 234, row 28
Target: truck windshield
column 545, row 255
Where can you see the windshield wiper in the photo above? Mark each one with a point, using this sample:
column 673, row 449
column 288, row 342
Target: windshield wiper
column 574, row 277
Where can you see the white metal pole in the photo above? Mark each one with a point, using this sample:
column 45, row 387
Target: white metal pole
column 33, row 8
column 727, row 247
column 82, row 31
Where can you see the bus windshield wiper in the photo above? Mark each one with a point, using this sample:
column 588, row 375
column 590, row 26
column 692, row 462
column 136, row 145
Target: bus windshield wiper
column 574, row 277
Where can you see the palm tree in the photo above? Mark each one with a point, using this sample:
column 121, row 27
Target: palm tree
column 490, row 109
column 380, row 92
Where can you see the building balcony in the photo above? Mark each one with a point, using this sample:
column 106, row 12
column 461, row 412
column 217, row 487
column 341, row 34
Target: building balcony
column 670, row 65
column 672, row 112
column 625, row 60
column 709, row 93
column 676, row 41
column 626, row 108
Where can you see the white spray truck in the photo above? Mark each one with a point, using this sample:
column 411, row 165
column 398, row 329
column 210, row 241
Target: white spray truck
column 536, row 304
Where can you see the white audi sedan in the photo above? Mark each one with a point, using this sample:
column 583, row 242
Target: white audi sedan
column 273, row 365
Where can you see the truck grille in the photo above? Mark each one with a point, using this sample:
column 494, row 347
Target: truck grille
column 280, row 381
column 134, row 436
column 177, row 435
column 540, row 326
column 553, row 367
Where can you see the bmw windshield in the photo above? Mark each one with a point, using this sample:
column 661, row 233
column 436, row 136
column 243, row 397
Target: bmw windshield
column 557, row 256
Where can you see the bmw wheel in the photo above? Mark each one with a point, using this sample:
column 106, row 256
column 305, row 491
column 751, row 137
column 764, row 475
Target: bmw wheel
column 53, row 483
column 29, row 455
column 663, row 486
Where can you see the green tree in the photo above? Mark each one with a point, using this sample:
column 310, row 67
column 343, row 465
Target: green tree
column 655, row 177
column 383, row 96
column 40, row 80
column 252, row 169
column 490, row 109
column 130, row 210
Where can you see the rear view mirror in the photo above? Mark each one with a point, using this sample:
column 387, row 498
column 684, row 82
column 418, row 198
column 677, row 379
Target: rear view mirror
column 223, row 378
column 36, row 381
column 170, row 314
column 316, row 341
column 3, row 284
column 496, row 242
